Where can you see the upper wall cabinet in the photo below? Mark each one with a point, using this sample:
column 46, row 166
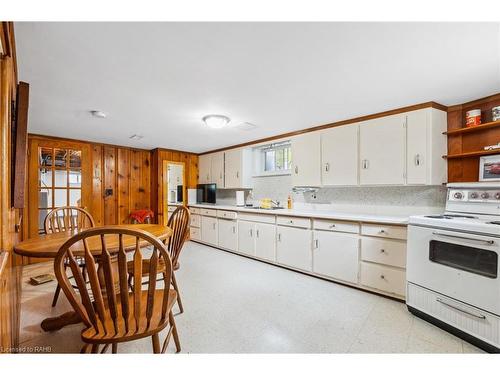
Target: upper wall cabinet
column 340, row 155
column 204, row 169
column 306, row 159
column 426, row 144
column 217, row 169
column 238, row 169
column 382, row 145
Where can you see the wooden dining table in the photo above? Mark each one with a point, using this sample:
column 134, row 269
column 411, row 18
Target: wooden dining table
column 47, row 246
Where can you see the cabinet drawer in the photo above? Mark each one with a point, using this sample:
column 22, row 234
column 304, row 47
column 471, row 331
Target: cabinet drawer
column 299, row 222
column 384, row 278
column 336, row 226
column 381, row 230
column 384, row 251
column 208, row 212
column 227, row 214
column 259, row 218
column 195, row 234
column 195, row 221
column 194, row 210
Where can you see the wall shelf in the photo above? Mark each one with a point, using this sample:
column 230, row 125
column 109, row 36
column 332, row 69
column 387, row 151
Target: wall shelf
column 473, row 129
column 472, row 154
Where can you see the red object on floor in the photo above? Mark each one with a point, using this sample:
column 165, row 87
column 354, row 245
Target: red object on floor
column 141, row 215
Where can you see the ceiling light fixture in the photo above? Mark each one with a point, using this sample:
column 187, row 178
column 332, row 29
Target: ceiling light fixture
column 216, row 121
column 99, row 114
column 136, row 137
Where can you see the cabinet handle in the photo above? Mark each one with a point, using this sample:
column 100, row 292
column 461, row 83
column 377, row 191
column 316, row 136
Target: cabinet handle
column 332, row 225
column 234, row 229
column 382, row 277
column 257, row 233
column 327, row 167
column 279, row 237
column 417, row 160
column 296, row 169
column 382, row 231
column 290, row 221
column 316, row 244
column 213, row 225
column 237, row 174
column 251, row 232
column 382, row 250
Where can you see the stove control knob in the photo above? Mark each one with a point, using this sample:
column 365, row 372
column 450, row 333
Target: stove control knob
column 473, row 195
column 485, row 195
column 458, row 195
column 497, row 196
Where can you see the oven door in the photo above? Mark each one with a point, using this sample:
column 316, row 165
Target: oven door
column 460, row 265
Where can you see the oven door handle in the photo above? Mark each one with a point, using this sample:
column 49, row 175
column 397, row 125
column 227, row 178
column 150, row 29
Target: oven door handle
column 479, row 316
column 487, row 242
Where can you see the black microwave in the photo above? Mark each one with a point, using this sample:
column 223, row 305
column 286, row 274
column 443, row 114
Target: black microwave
column 205, row 193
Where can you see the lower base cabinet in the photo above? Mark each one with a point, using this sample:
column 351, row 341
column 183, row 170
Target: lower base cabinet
column 265, row 241
column 293, row 247
column 209, row 231
column 336, row 255
column 228, row 234
column 387, row 279
column 246, row 237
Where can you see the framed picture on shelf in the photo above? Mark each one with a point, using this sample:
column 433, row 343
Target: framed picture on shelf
column 489, row 168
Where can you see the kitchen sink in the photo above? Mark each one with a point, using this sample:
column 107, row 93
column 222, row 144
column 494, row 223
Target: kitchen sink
column 270, row 209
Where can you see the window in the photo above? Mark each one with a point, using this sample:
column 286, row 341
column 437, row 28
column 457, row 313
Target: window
column 59, row 180
column 275, row 158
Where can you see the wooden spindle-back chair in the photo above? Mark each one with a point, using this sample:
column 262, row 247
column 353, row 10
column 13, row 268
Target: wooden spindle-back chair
column 179, row 223
column 69, row 218
column 111, row 312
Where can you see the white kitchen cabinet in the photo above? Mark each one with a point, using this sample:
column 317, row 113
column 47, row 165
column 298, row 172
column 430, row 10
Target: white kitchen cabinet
column 228, row 234
column 217, row 169
column 265, row 241
column 238, row 169
column 382, row 145
column 246, row 237
column 336, row 255
column 339, row 155
column 306, row 159
column 209, row 230
column 293, row 247
column 426, row 144
column 204, row 169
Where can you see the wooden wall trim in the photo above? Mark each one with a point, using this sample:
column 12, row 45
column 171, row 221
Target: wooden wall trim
column 333, row 124
column 475, row 102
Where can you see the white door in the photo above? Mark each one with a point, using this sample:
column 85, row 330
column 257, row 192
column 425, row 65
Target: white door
column 417, row 147
column 228, row 234
column 339, row 155
column 265, row 241
column 209, row 232
column 293, row 247
column 232, row 169
column 204, row 169
column 218, row 169
column 306, row 159
column 336, row 255
column 246, row 237
column 382, row 144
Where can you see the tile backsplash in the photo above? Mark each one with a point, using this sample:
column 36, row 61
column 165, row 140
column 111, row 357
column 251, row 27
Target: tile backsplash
column 279, row 187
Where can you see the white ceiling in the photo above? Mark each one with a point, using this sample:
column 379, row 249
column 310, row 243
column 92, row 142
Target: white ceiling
column 159, row 79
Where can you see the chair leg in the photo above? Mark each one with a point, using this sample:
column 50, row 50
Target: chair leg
column 85, row 349
column 95, row 348
column 156, row 343
column 56, row 295
column 174, row 332
column 176, row 287
column 114, row 348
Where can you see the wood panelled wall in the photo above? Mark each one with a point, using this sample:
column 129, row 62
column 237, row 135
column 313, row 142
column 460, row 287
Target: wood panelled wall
column 9, row 274
column 158, row 156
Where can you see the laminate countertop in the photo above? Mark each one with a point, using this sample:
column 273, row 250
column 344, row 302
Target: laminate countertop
column 318, row 214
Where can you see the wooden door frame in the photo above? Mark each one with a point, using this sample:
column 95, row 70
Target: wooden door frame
column 34, row 143
column 164, row 189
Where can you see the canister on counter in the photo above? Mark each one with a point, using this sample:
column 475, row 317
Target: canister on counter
column 473, row 118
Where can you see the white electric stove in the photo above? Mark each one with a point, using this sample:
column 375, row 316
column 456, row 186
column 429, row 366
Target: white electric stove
column 453, row 264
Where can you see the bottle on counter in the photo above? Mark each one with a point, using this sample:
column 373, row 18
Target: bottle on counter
column 289, row 202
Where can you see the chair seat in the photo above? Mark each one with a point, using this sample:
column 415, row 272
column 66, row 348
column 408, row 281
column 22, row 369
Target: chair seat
column 108, row 336
column 145, row 267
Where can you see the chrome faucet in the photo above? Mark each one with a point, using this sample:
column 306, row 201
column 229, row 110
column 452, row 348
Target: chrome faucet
column 276, row 203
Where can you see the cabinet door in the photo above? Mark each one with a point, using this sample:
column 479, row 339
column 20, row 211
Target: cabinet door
column 209, row 232
column 218, row 169
column 382, row 151
column 416, row 131
column 232, row 169
column 228, row 234
column 336, row 255
column 265, row 241
column 246, row 237
column 339, row 155
column 306, row 160
column 293, row 247
column 204, row 169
